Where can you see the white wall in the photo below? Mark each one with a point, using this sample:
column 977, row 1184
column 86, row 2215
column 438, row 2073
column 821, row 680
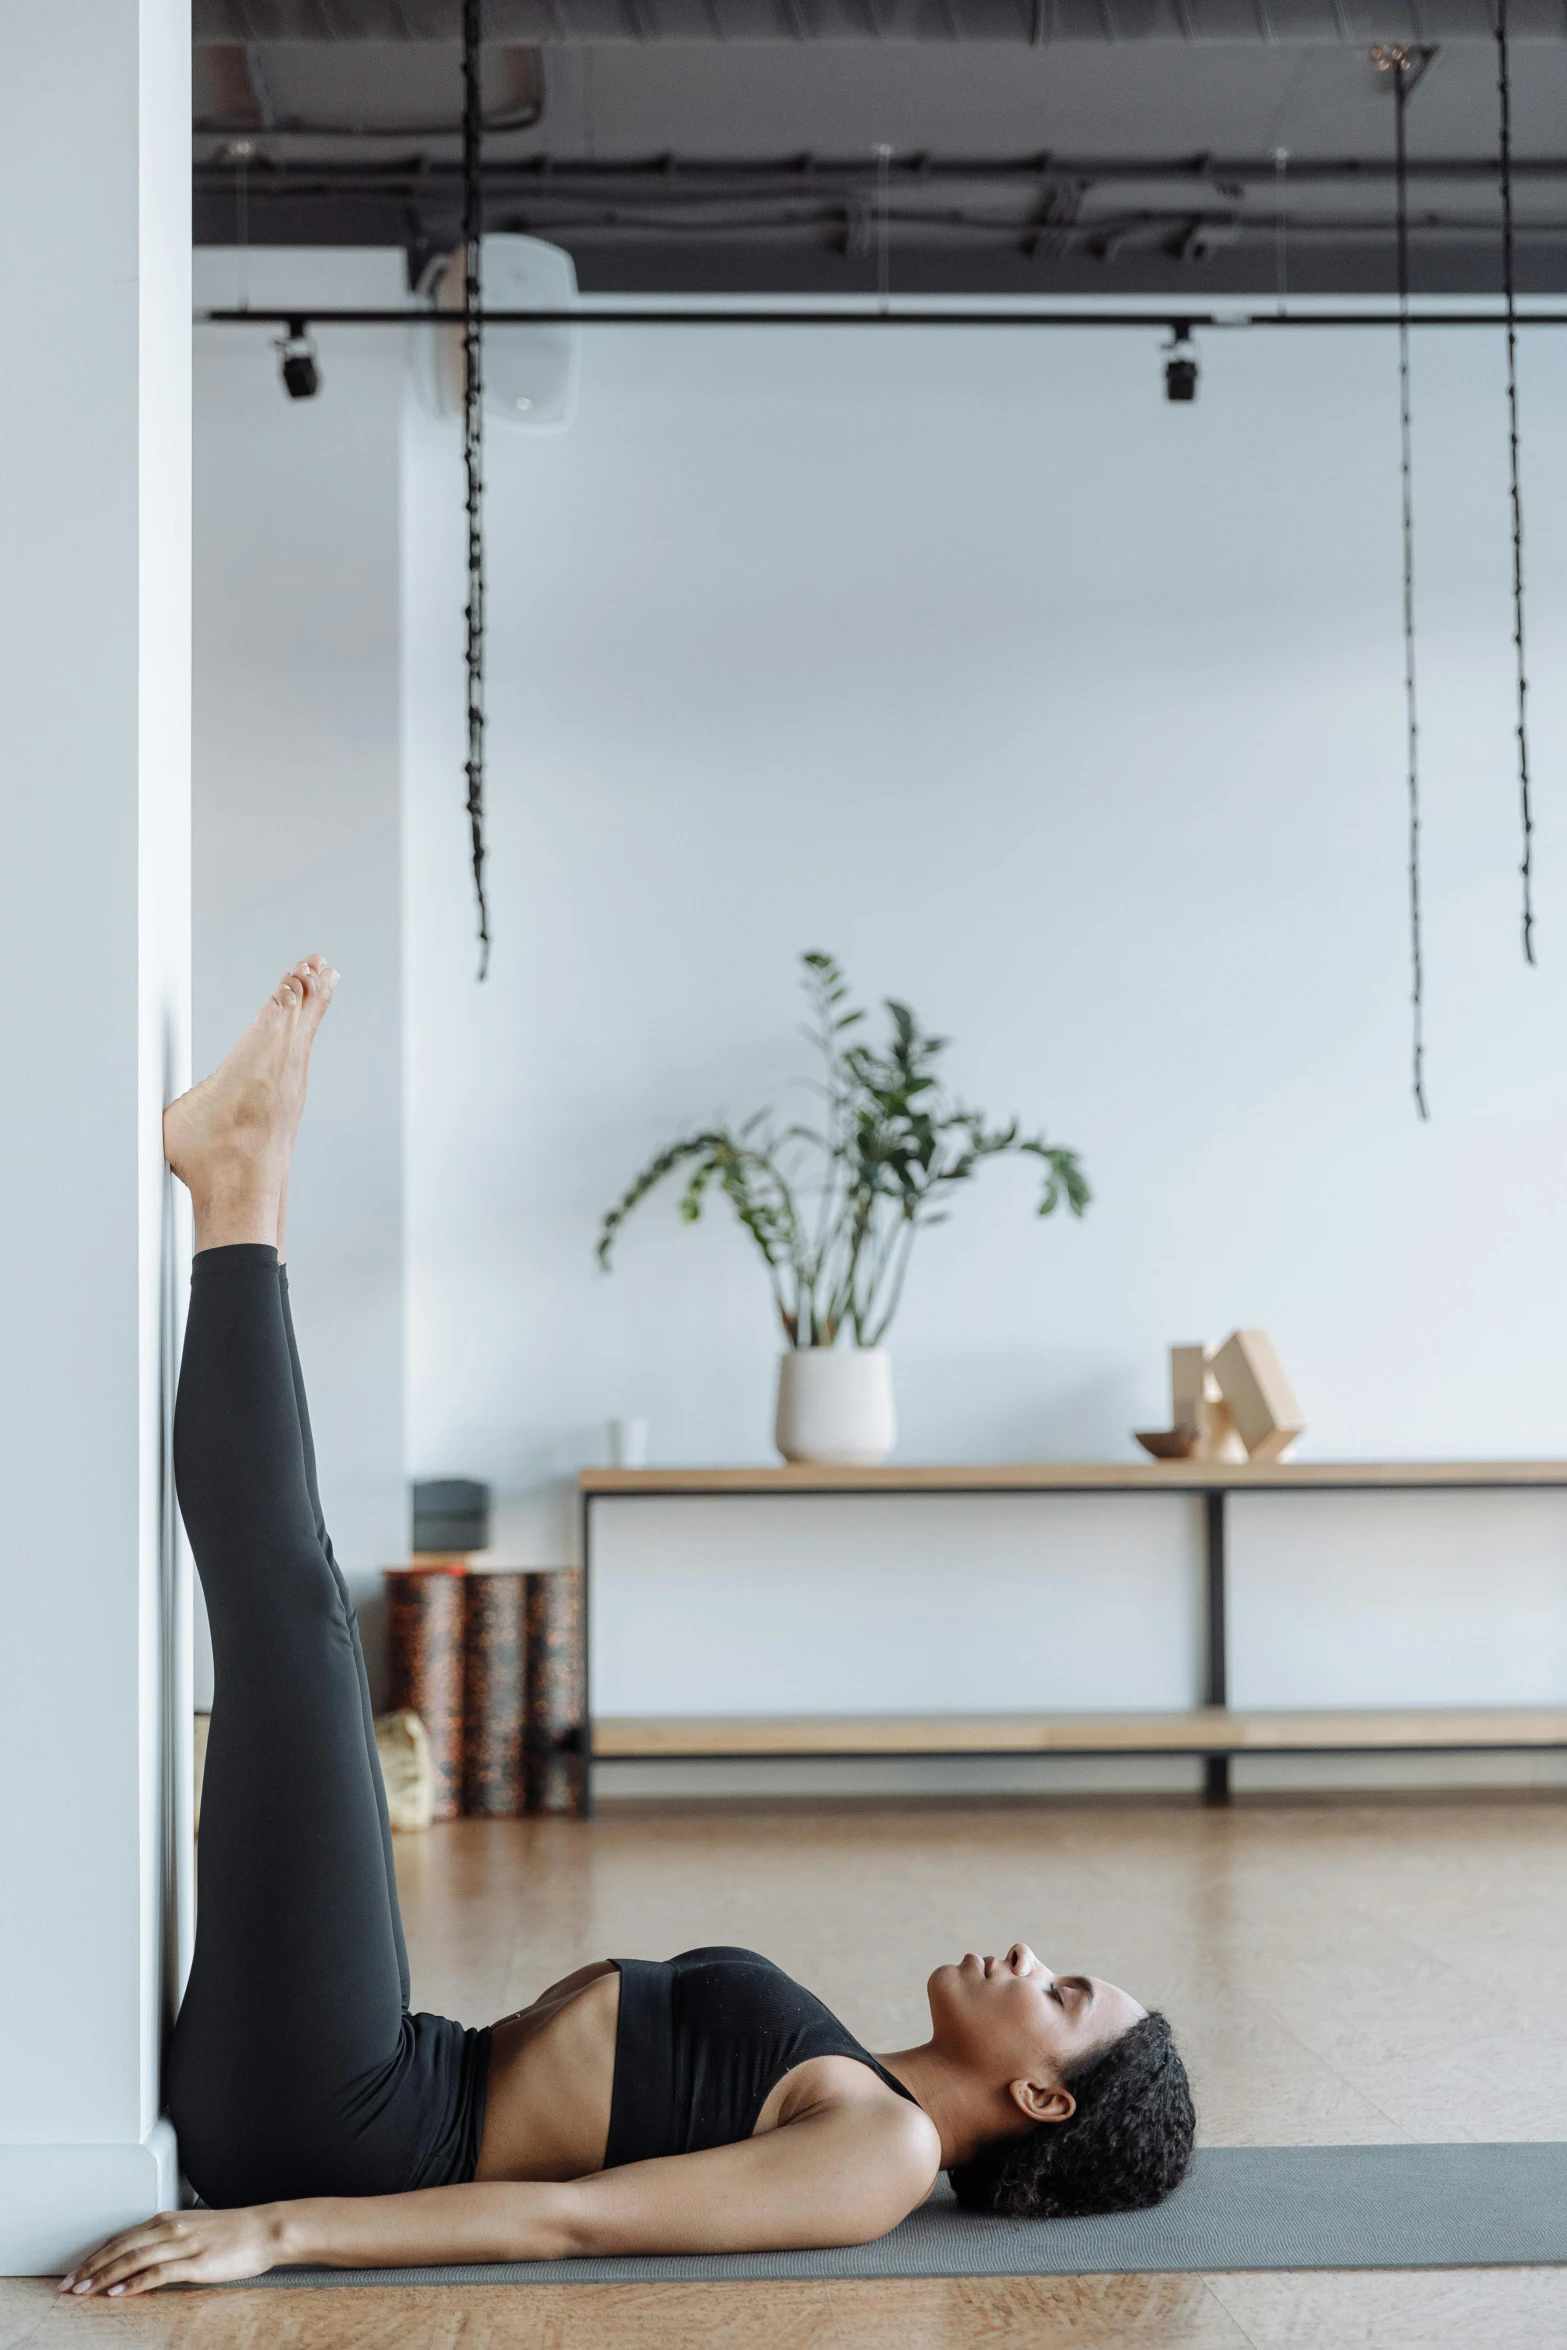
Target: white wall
column 297, row 811
column 1077, row 719
column 94, row 901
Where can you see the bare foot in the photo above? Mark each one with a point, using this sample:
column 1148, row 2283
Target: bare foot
column 318, row 979
column 230, row 1138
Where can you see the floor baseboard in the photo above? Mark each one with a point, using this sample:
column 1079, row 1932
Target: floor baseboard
column 57, row 2202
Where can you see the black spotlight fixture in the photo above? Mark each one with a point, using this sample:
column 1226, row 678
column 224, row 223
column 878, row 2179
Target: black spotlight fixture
column 1180, row 362
column 301, row 376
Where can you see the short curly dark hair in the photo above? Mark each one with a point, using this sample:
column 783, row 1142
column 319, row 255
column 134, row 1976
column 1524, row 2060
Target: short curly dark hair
column 1126, row 2146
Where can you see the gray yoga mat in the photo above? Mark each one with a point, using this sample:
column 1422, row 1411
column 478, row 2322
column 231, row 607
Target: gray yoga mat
column 1242, row 2207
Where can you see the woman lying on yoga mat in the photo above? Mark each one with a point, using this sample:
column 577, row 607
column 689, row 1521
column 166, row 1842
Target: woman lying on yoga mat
column 703, row 2103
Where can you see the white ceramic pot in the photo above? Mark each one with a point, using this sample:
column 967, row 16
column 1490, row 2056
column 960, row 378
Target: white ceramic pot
column 835, row 1405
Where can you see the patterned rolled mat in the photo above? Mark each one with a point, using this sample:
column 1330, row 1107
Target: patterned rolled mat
column 552, row 1710
column 426, row 1608
column 492, row 1775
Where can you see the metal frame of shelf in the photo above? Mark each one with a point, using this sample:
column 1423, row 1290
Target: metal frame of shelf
column 1214, row 1482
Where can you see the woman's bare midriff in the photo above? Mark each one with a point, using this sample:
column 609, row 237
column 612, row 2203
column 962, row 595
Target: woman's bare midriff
column 552, row 2079
column 552, row 2076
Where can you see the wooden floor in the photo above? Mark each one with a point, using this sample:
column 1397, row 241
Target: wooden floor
column 1338, row 1971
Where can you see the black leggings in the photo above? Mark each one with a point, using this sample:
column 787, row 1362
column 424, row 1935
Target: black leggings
column 295, row 2068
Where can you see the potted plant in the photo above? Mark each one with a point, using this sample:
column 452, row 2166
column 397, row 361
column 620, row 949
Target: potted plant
column 835, row 1209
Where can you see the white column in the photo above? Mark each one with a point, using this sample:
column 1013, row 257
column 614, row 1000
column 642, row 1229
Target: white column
column 297, row 806
column 94, row 912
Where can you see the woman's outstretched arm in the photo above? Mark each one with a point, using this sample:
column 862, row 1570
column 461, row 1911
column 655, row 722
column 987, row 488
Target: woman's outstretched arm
column 841, row 2174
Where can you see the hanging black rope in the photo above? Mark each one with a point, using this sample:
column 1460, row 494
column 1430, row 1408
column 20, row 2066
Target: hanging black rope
column 1407, row 481
column 1510, row 295
column 473, row 443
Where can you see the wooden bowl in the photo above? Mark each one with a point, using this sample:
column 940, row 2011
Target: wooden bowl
column 1168, row 1444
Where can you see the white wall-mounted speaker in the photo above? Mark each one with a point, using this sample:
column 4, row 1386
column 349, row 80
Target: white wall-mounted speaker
column 530, row 372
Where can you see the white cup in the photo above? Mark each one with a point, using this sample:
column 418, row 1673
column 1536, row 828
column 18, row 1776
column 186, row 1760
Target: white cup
column 628, row 1444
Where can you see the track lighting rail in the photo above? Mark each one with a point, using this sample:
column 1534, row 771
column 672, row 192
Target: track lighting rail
column 1152, row 320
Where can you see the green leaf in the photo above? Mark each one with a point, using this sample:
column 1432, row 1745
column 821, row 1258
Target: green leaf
column 833, row 1208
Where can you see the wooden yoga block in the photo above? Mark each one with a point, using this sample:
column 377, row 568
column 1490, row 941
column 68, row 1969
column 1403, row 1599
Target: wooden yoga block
column 1202, row 1427
column 552, row 1706
column 492, row 1773
column 1260, row 1398
column 426, row 1607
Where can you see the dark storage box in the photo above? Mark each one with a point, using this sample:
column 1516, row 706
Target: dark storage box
column 451, row 1513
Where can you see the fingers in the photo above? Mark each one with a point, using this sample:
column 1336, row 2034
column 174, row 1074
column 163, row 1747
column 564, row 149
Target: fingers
column 88, row 2268
column 175, row 2248
column 172, row 2272
column 148, row 2280
column 128, row 2254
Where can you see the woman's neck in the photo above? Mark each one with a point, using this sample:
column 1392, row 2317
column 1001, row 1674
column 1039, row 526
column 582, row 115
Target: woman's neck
column 966, row 2113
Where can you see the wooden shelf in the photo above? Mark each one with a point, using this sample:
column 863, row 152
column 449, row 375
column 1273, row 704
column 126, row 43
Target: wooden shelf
column 1216, row 1732
column 1088, row 1477
column 1205, row 1730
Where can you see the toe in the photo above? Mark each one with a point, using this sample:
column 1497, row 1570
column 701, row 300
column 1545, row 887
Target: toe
column 317, row 978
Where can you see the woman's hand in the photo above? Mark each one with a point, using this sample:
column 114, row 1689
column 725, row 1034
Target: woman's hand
column 181, row 2248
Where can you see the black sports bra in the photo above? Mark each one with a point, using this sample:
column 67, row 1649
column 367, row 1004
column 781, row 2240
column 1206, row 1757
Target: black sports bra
column 702, row 2040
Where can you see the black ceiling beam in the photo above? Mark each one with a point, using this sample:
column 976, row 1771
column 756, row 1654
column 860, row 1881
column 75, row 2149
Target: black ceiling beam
column 663, row 173
column 1018, row 23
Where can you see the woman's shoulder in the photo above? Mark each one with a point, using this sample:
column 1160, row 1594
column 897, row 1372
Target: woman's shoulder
column 870, row 2109
column 881, row 2148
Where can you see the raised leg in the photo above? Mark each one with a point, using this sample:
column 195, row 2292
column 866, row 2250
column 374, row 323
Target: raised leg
column 294, row 2068
column 366, row 1708
column 294, row 2009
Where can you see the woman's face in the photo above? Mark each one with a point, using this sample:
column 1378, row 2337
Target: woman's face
column 1012, row 2019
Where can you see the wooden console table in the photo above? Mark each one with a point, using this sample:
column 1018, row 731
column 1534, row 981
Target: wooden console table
column 1212, row 1729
